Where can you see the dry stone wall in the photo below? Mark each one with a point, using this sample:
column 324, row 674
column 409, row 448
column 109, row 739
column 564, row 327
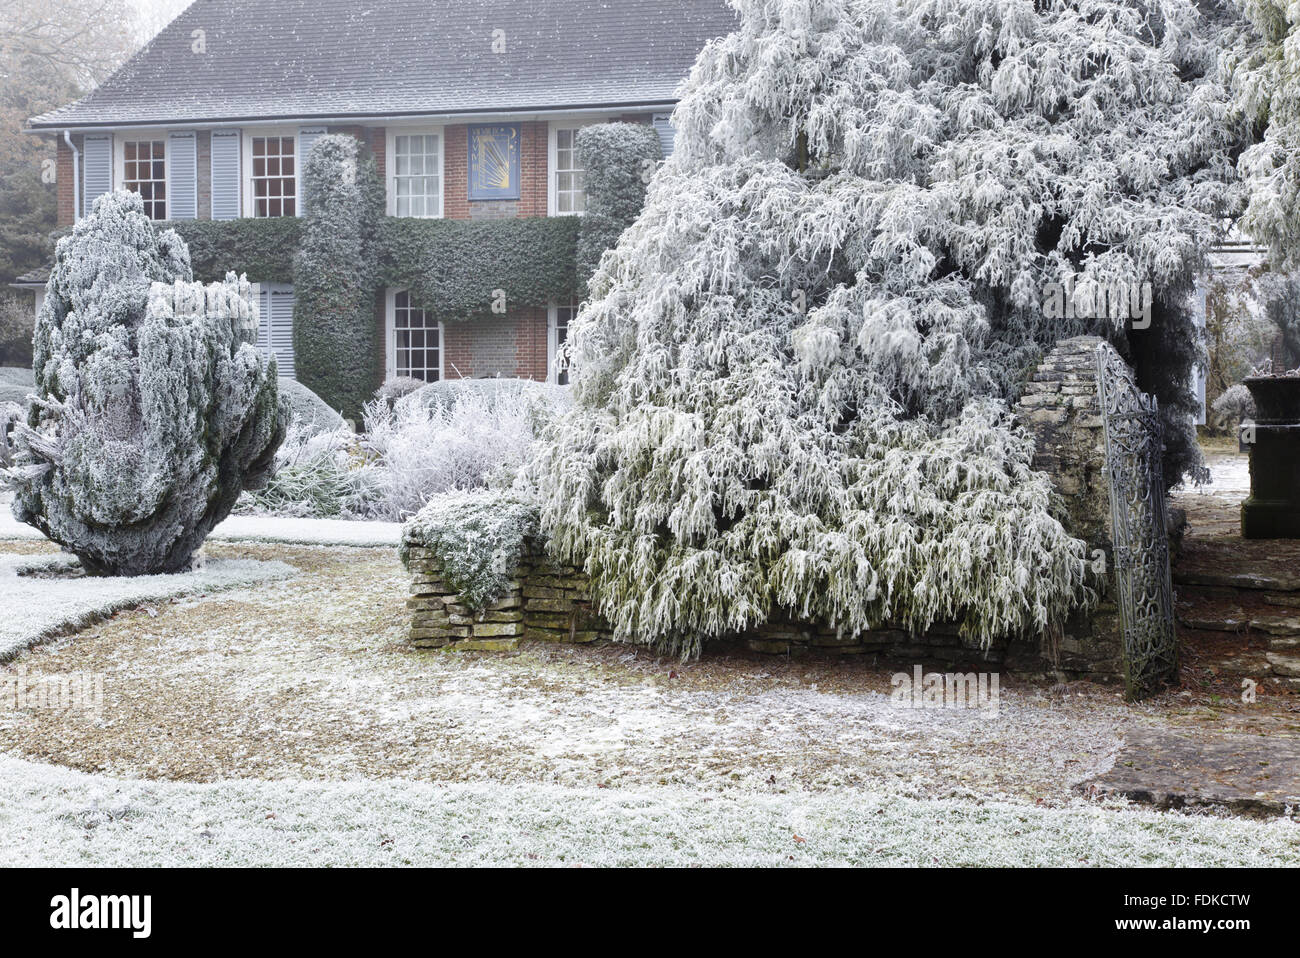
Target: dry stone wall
column 545, row 600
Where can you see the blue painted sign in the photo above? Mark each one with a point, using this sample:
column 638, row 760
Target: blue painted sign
column 494, row 161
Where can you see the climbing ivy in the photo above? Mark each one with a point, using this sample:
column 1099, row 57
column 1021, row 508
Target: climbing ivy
column 262, row 248
column 335, row 340
column 474, row 270
column 619, row 159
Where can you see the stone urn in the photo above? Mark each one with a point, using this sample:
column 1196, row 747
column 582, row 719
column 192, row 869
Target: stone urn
column 1273, row 509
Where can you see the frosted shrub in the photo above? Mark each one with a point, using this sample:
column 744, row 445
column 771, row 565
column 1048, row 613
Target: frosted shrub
column 11, row 414
column 317, row 474
column 1233, row 407
column 154, row 409
column 792, row 376
column 455, row 435
column 308, row 411
column 479, row 537
column 396, row 387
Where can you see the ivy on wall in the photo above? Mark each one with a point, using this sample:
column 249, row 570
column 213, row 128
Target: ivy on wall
column 262, row 248
column 342, row 251
column 335, row 341
column 619, row 159
column 474, row 270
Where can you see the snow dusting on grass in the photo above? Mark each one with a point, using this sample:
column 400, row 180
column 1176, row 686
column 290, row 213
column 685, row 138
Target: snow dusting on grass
column 257, row 529
column 290, row 724
column 56, row 817
column 341, row 532
column 41, row 602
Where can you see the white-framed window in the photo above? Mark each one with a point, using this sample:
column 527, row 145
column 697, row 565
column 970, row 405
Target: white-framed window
column 566, row 185
column 415, row 162
column 415, row 339
column 142, row 168
column 272, row 163
column 570, row 178
column 558, row 320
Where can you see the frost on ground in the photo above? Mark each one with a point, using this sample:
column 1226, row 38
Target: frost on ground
column 59, row 817
column 341, row 532
column 40, row 602
column 1229, row 477
column 290, row 723
column 257, row 529
column 312, row 679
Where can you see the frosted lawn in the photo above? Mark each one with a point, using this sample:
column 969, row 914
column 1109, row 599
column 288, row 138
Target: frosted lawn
column 257, row 529
column 40, row 606
column 59, row 817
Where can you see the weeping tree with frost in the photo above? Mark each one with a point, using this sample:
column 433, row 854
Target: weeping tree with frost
column 793, row 375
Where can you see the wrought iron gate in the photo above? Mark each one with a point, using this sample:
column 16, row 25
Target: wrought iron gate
column 1144, row 592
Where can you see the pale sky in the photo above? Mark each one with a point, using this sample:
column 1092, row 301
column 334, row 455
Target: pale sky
column 156, row 14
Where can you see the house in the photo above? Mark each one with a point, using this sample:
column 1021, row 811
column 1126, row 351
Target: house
column 470, row 108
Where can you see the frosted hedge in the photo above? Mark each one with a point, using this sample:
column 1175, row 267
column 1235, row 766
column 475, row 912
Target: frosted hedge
column 154, row 409
column 792, row 377
column 335, row 338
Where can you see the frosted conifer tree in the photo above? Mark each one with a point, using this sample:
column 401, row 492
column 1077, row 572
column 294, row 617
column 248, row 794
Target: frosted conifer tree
column 792, row 377
column 154, row 409
column 1265, row 63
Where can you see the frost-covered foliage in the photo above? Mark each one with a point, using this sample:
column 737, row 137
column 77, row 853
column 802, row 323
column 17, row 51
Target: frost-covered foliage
column 307, row 411
column 791, row 379
column 543, row 402
column 154, row 408
column 336, row 274
column 1279, row 295
column 317, row 474
column 1234, row 406
column 1265, row 63
column 396, row 387
column 478, row 536
column 11, row 414
column 461, row 434
column 618, row 160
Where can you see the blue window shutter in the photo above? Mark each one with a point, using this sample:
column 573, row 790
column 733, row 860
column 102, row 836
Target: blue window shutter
column 664, row 127
column 96, row 168
column 182, row 177
column 226, row 180
column 275, row 325
column 307, row 138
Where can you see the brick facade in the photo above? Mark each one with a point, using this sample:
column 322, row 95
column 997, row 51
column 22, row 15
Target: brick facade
column 66, row 182
column 203, row 156
column 514, row 346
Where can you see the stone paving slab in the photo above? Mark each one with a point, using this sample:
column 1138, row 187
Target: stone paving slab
column 1254, row 775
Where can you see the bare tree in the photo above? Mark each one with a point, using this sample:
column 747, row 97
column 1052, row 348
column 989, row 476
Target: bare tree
column 84, row 40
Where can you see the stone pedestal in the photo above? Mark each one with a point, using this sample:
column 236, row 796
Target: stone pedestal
column 1273, row 509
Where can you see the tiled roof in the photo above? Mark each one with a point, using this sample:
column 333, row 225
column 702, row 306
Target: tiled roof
column 303, row 59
